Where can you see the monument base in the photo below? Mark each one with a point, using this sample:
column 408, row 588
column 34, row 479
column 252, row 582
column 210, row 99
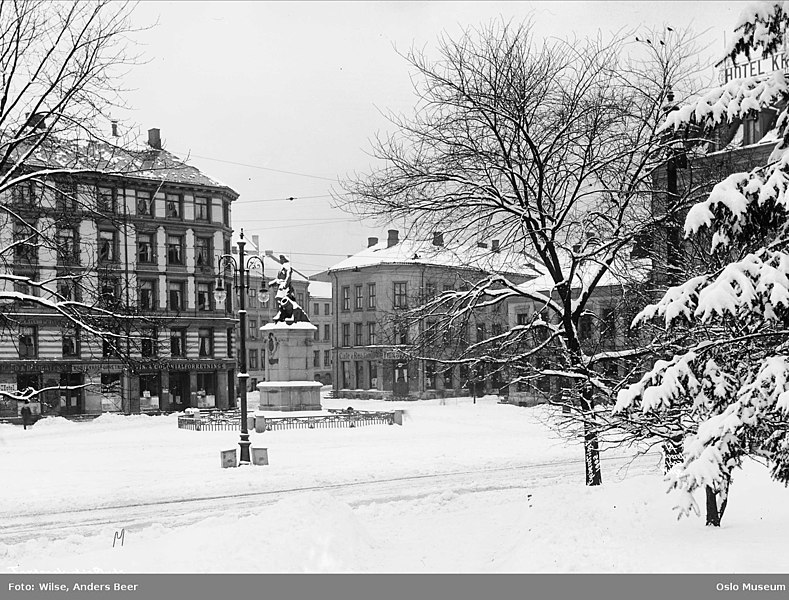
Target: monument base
column 290, row 395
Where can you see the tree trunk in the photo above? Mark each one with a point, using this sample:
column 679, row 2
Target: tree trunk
column 594, row 475
column 716, row 503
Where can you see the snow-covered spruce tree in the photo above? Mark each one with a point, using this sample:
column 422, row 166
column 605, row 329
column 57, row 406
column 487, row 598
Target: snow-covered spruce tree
column 727, row 391
column 548, row 146
column 60, row 65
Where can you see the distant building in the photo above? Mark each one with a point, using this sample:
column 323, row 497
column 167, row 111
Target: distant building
column 321, row 315
column 374, row 345
column 140, row 245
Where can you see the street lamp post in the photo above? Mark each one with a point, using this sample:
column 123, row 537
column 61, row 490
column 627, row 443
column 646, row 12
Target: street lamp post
column 241, row 270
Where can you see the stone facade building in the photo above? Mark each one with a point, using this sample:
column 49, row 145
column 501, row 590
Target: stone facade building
column 374, row 347
column 140, row 243
column 321, row 314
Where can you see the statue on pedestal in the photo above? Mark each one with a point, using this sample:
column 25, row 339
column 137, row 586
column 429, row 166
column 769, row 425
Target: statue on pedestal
column 289, row 310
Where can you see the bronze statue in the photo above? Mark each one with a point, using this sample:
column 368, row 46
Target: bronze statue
column 289, row 310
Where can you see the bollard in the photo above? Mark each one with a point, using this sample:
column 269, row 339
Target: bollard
column 228, row 458
column 250, row 422
column 259, row 456
column 398, row 417
column 260, row 422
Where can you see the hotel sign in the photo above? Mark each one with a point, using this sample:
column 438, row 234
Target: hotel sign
column 760, row 66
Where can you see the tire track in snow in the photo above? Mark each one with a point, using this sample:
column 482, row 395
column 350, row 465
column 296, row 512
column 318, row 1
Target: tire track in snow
column 185, row 511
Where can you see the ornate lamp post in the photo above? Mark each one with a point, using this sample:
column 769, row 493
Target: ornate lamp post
column 241, row 268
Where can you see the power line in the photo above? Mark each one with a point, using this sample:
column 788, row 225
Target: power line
column 288, row 199
column 230, row 162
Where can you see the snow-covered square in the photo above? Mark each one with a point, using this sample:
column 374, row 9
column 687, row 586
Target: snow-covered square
column 461, row 487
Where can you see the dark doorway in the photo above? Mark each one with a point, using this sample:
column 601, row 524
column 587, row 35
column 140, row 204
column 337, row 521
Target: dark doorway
column 72, row 397
column 400, row 379
column 179, row 390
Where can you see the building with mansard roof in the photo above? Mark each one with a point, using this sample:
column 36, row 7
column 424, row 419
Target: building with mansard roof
column 134, row 234
column 375, row 348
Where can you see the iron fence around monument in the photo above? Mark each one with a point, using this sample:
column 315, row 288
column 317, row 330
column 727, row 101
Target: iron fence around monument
column 216, row 420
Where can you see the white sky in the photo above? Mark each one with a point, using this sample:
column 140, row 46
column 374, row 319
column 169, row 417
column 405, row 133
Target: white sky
column 300, row 86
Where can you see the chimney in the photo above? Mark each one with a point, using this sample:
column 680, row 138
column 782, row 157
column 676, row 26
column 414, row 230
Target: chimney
column 256, row 242
column 494, row 245
column 154, row 139
column 393, row 238
column 115, row 129
column 481, row 245
column 371, row 241
column 36, row 121
column 438, row 238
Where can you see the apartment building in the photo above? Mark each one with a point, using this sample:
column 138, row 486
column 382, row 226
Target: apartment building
column 140, row 243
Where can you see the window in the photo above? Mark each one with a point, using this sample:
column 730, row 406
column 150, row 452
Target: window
column 175, row 254
column 358, row 299
column 253, row 329
column 400, row 295
column 70, row 340
column 147, row 294
column 481, row 332
column 202, row 208
column 326, row 309
column 67, row 289
column 145, row 248
column 371, row 337
column 172, row 206
column 346, row 298
column 327, row 333
column 585, row 327
column 230, row 343
column 108, row 291
column 144, row 203
column 66, row 197
column 107, row 251
column 327, row 358
column 105, row 200
column 522, row 318
column 25, row 242
column 300, row 299
column 447, row 287
column 205, row 342
column 28, row 342
column 175, row 295
column 110, row 346
column 148, row 343
column 346, row 334
column 204, row 296
column 24, row 193
column 402, row 334
column 316, row 358
column 203, row 252
column 66, row 246
column 430, row 374
column 346, row 374
column 609, row 324
column 178, row 342
column 316, row 308
column 370, row 295
column 357, row 334
column 430, row 291
column 253, row 360
column 373, row 367
column 226, row 213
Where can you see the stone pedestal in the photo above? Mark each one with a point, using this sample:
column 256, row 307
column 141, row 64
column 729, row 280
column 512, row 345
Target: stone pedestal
column 290, row 383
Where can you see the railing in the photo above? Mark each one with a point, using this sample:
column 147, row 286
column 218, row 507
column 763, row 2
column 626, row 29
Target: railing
column 231, row 420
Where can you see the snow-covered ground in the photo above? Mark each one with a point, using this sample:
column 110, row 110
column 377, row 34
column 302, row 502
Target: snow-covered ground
column 460, row 487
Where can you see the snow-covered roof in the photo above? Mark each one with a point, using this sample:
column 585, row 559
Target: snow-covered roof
column 144, row 162
column 622, row 272
column 415, row 252
column 320, row 289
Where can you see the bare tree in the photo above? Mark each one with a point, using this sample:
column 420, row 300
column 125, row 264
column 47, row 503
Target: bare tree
column 60, row 70
column 551, row 147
